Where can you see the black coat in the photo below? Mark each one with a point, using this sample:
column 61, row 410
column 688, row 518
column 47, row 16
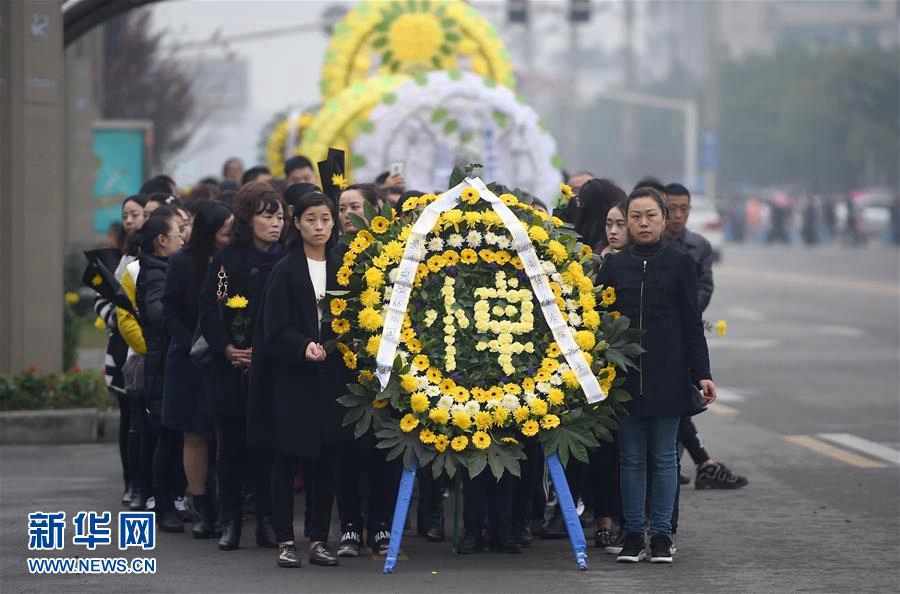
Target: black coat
column 677, row 357
column 247, row 271
column 184, row 406
column 148, row 295
column 293, row 404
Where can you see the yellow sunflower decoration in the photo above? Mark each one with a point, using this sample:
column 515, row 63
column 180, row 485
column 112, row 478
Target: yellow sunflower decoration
column 408, row 36
column 277, row 143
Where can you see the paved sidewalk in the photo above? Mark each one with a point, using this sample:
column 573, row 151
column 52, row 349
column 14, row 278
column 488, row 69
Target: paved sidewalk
column 767, row 537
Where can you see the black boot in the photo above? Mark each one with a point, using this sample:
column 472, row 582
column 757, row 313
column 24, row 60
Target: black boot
column 138, row 499
column 167, row 516
column 507, row 542
column 231, row 535
column 470, row 543
column 435, row 531
column 265, row 533
column 203, row 517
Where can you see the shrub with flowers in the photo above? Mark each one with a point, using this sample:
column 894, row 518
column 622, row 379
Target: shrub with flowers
column 477, row 368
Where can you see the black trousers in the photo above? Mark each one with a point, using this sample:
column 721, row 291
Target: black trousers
column 604, row 479
column 239, row 463
column 124, row 422
column 167, row 466
column 528, row 490
column 325, row 473
column 484, row 496
column 367, row 484
column 689, row 437
column 142, row 438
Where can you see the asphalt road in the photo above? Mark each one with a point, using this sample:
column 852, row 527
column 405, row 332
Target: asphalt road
column 809, row 411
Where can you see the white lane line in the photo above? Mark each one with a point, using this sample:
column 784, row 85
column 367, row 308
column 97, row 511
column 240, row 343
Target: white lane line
column 750, row 344
column 874, row 449
column 729, row 395
column 843, row 331
column 742, row 313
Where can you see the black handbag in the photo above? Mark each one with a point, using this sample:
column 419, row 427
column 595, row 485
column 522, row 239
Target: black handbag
column 200, row 354
column 698, row 403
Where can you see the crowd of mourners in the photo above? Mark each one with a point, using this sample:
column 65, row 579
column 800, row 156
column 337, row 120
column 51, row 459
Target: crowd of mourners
column 237, row 405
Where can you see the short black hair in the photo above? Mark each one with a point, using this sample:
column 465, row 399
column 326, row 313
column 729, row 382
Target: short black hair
column 164, row 199
column 160, row 183
column 298, row 190
column 254, row 172
column 650, row 182
column 648, row 192
column 228, row 162
column 676, row 189
column 308, row 200
column 382, row 177
column 297, row 162
column 368, row 192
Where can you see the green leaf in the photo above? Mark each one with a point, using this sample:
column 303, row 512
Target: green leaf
column 500, row 118
column 450, row 127
column 369, row 211
column 379, row 42
column 389, row 98
column 358, row 221
column 420, row 78
column 439, row 114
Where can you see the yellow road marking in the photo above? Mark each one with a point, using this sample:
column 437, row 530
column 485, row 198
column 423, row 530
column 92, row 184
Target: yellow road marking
column 833, row 452
column 815, row 280
column 722, row 409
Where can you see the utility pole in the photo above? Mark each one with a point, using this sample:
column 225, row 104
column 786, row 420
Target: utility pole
column 629, row 140
column 710, row 141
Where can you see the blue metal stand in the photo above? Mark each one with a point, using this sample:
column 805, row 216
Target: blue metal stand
column 567, row 506
column 404, row 495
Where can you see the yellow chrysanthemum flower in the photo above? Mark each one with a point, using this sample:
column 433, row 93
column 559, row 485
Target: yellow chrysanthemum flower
column 374, row 278
column 553, row 350
column 434, row 375
column 570, row 379
column 556, row 396
column 370, row 320
column 459, row 443
column 481, row 440
column 338, row 306
column 340, row 325
column 462, row 419
column 557, row 251
column 460, row 394
column 435, row 263
column 350, row 360
column 427, row 436
column 451, row 258
column 343, row 276
column 608, row 296
column 469, row 195
column 468, row 256
column 421, row 362
column 339, row 181
column 408, row 423
column 370, row 297
column 550, row 422
column 408, row 383
column 591, row 319
column 585, row 339
column 528, row 384
column 537, row 233
column 237, row 302
column 447, row 386
column 439, row 416
column 418, row 402
column 486, row 255
column 502, row 257
column 441, row 442
column 521, row 413
column 483, row 420
column 721, row 327
column 372, row 344
column 380, row 403
column 530, row 428
column 379, row 224
column 566, row 190
column 509, row 199
column 586, row 252
column 538, row 407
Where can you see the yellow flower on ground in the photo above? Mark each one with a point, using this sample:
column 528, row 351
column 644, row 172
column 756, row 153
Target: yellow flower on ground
column 372, row 344
column 418, row 402
column 71, row 298
column 370, row 320
column 550, row 422
column 339, row 181
column 481, row 440
column 537, row 233
column 459, row 443
column 470, row 195
column 408, row 423
column 96, row 281
column 462, row 420
column 721, row 327
column 439, row 416
column 468, row 256
column 421, row 362
column 340, row 325
column 586, row 340
column 338, row 306
column 237, row 302
column 530, row 428
column 380, row 403
column 483, row 420
column 379, row 224
column 566, row 190
column 408, row 383
column 441, row 442
column 427, row 436
column 521, row 413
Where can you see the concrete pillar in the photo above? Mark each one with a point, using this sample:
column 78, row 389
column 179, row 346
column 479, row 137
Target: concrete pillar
column 31, row 184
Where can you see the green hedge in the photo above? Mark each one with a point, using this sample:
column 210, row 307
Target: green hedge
column 33, row 390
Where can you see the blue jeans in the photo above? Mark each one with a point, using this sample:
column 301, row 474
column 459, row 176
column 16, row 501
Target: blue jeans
column 641, row 439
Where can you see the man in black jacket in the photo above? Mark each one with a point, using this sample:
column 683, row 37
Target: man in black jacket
column 710, row 474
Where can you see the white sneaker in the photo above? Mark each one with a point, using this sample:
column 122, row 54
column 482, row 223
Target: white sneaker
column 151, row 503
column 181, row 504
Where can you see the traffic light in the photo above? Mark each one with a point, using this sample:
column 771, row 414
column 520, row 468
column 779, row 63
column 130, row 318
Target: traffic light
column 579, row 11
column 517, row 11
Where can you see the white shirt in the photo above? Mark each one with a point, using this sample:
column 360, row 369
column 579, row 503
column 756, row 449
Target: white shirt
column 317, row 275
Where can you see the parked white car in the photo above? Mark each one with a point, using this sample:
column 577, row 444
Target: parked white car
column 706, row 221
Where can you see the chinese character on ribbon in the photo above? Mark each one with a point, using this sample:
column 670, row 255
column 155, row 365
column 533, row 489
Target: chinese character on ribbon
column 46, row 531
column 92, row 529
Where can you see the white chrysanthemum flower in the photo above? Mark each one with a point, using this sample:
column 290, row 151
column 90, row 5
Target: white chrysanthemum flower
column 504, row 243
column 471, row 407
column 445, row 402
column 473, row 239
column 543, row 387
column 491, row 238
column 529, row 399
column 548, row 267
column 575, row 319
column 388, row 291
column 492, row 403
column 555, row 380
column 455, row 240
column 392, row 275
column 435, row 244
column 510, row 401
column 433, row 391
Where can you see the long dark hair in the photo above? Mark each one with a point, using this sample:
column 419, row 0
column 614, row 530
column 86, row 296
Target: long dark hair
column 596, row 196
column 159, row 223
column 307, row 201
column 253, row 198
column 202, row 245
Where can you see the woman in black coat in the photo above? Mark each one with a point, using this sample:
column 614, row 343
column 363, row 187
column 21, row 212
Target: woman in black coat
column 229, row 306
column 160, row 237
column 184, row 407
column 656, row 287
column 293, row 408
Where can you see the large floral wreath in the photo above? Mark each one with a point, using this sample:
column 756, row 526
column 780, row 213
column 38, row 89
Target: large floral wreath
column 475, row 364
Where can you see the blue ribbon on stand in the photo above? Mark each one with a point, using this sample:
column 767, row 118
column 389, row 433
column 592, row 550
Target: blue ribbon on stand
column 404, row 495
column 567, row 505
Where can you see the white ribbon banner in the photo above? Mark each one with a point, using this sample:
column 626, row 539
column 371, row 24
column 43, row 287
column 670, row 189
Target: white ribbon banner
column 540, row 285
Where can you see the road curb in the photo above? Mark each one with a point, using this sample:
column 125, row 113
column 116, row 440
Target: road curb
column 73, row 425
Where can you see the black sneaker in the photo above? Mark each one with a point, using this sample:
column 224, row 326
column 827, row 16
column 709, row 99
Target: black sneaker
column 470, row 542
column 380, row 540
column 718, row 476
column 615, row 547
column 632, row 549
column 287, row 556
column 604, row 538
column 683, row 479
column 661, row 548
column 319, row 554
column 351, row 540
